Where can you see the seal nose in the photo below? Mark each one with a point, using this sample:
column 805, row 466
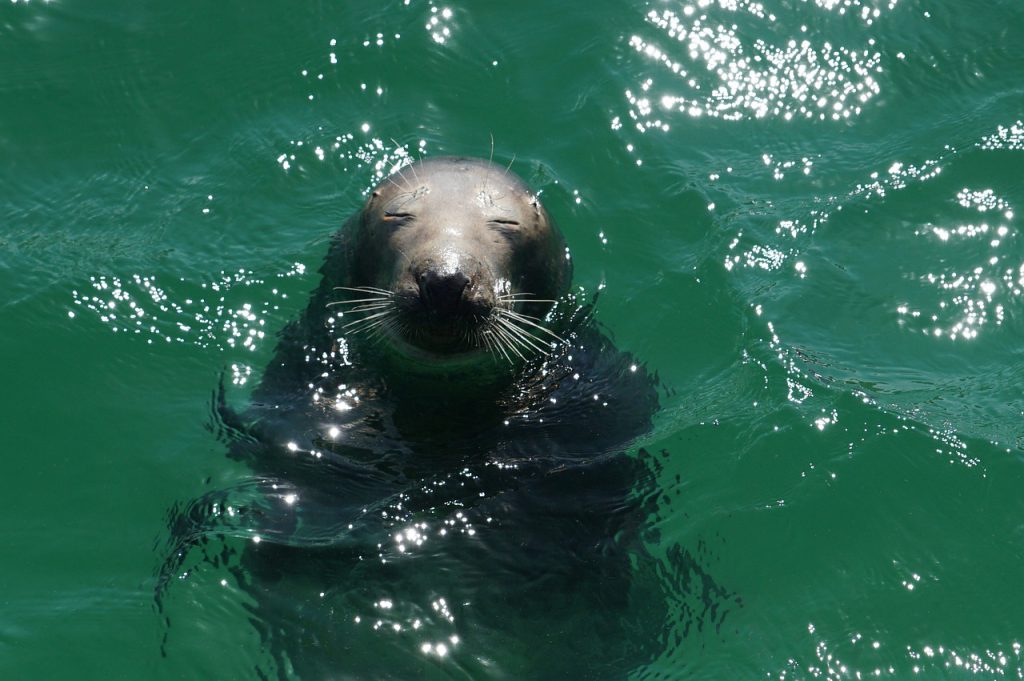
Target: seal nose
column 443, row 293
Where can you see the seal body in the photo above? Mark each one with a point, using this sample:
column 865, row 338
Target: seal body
column 437, row 450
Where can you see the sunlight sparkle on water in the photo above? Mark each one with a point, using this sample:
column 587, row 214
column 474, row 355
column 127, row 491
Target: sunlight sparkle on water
column 979, row 292
column 1009, row 137
column 715, row 70
column 342, row 150
column 832, row 659
column 438, row 25
column 208, row 314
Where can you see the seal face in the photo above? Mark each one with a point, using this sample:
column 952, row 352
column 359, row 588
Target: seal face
column 455, row 257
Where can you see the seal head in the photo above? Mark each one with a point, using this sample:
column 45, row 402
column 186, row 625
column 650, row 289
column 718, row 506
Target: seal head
column 454, row 258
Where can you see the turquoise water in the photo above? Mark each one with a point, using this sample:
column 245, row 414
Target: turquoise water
column 804, row 216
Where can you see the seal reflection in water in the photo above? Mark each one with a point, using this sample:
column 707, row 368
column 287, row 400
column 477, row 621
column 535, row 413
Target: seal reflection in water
column 440, row 485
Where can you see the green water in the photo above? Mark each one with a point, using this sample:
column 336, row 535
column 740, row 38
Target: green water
column 804, row 214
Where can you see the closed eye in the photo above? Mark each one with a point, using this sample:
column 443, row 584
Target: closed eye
column 396, row 216
column 507, row 228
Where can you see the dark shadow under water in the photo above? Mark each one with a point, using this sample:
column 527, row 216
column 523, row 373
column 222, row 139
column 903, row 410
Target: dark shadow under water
column 442, row 526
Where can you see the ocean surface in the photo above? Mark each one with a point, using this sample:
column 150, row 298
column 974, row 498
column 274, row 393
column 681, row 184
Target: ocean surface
column 804, row 215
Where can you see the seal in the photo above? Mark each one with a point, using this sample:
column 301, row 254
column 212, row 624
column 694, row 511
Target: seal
column 437, row 455
column 454, row 257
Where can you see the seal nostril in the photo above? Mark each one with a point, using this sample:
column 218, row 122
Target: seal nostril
column 443, row 293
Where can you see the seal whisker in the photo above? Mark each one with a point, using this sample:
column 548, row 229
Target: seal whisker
column 370, row 308
column 368, row 318
column 478, row 334
column 520, row 316
column 518, row 339
column 378, row 328
column 372, row 330
column 400, row 328
column 501, row 351
column 499, row 344
column 510, row 299
column 366, row 289
column 408, row 188
column 526, row 319
column 516, row 295
column 379, row 298
column 360, row 325
column 489, row 346
column 381, row 329
column 524, row 336
column 404, row 160
column 512, row 323
column 396, row 326
column 384, row 310
column 389, row 179
column 374, row 301
column 507, row 342
column 368, row 329
column 361, row 301
column 473, row 337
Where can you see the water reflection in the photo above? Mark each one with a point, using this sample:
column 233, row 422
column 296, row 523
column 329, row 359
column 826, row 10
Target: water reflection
column 719, row 70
